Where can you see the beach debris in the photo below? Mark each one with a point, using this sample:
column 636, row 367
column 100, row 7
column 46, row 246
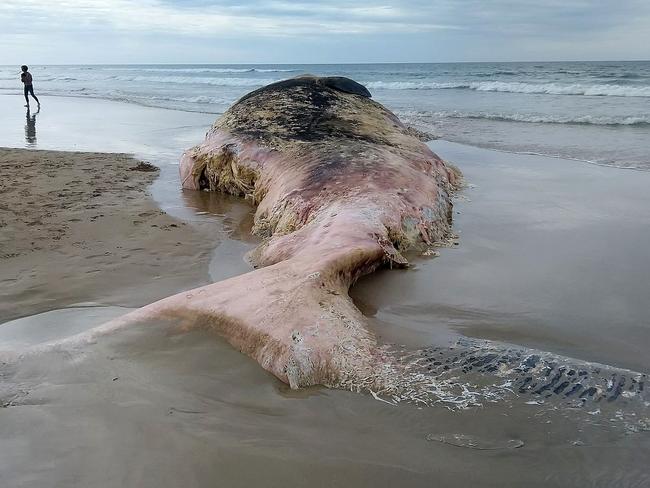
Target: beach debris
column 431, row 252
column 473, row 442
column 145, row 166
column 378, row 398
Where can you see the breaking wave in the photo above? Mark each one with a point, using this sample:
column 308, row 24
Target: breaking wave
column 189, row 80
column 552, row 119
column 560, row 89
column 412, row 85
column 519, row 87
column 203, row 70
column 161, row 98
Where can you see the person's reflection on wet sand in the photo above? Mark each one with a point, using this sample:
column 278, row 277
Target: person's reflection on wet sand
column 30, row 127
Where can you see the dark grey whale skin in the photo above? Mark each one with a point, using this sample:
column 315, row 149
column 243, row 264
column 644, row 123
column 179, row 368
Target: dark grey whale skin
column 339, row 83
column 537, row 374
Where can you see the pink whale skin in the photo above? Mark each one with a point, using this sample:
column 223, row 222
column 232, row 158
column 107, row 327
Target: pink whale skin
column 341, row 188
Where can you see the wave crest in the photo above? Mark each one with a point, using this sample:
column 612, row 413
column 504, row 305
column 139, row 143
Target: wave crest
column 553, row 119
column 189, row 80
column 519, row 87
column 598, row 120
column 203, row 70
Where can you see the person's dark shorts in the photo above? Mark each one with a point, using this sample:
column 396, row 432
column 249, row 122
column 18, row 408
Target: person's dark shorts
column 29, row 89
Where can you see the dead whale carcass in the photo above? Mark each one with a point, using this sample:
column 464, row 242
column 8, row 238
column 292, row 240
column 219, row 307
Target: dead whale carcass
column 341, row 188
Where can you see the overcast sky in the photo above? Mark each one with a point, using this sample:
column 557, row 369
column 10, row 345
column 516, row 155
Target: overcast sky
column 321, row 31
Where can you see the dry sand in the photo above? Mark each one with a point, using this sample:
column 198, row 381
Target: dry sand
column 78, row 227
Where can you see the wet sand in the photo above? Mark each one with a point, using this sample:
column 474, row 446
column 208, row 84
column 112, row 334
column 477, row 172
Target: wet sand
column 155, row 405
column 82, row 227
column 551, row 254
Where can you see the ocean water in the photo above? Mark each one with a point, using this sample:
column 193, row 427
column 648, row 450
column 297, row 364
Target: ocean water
column 591, row 111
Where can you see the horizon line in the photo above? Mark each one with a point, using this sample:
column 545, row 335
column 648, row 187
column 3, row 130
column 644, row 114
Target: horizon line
column 345, row 63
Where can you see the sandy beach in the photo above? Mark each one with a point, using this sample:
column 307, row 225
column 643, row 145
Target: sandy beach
column 151, row 407
column 273, row 244
column 82, row 227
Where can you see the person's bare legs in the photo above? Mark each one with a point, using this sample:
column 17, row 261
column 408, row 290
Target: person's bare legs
column 31, row 91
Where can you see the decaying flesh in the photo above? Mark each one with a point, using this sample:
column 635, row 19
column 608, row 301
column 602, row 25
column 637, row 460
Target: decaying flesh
column 341, row 188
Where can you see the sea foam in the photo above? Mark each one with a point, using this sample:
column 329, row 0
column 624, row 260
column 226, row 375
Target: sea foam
column 549, row 119
column 189, row 80
column 518, row 87
column 172, row 70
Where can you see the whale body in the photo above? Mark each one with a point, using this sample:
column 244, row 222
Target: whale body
column 341, row 188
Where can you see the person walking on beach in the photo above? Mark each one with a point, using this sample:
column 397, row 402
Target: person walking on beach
column 26, row 78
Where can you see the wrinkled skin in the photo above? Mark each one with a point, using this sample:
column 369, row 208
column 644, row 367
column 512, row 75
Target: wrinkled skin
column 341, row 188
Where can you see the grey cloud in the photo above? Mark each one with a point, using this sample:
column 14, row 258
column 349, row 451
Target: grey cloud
column 336, row 30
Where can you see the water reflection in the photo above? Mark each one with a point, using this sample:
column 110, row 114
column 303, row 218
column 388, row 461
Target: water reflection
column 237, row 213
column 235, row 242
column 30, row 127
